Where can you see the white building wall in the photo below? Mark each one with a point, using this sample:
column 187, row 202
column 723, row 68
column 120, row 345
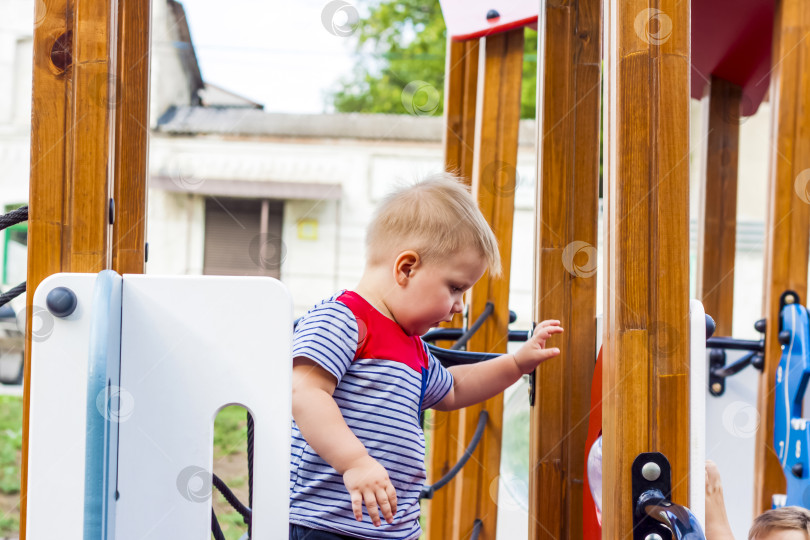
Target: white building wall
column 313, row 269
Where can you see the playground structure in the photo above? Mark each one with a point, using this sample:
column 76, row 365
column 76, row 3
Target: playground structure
column 90, row 105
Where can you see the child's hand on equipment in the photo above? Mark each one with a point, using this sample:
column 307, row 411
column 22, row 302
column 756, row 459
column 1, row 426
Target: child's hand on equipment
column 533, row 352
column 367, row 481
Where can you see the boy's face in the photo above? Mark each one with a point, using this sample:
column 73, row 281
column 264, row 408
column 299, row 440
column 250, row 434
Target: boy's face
column 433, row 292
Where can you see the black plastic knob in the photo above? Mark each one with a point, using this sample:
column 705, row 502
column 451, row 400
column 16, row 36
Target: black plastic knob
column 760, row 326
column 797, row 470
column 492, row 14
column 784, row 337
column 61, row 302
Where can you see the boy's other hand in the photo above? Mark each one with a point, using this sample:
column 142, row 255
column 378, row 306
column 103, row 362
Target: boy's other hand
column 533, row 352
column 367, row 481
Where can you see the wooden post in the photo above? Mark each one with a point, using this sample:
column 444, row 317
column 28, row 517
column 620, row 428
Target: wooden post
column 131, row 136
column 788, row 221
column 717, row 222
column 84, row 148
column 646, row 304
column 566, row 259
column 459, row 111
column 496, row 142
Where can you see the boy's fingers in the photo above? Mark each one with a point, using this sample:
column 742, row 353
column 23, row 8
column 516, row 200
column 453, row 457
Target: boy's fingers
column 392, row 497
column 357, row 504
column 371, row 506
column 548, row 353
column 385, row 505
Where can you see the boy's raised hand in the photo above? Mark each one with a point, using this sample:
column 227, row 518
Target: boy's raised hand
column 533, row 352
column 367, row 481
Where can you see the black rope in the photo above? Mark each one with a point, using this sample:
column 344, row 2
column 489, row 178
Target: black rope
column 477, row 526
column 452, row 334
column 427, row 491
column 231, row 498
column 462, row 341
column 450, row 358
column 250, row 468
column 11, row 294
column 15, row 216
column 215, row 528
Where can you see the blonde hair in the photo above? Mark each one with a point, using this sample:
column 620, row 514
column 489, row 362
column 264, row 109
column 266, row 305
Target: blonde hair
column 436, row 217
column 789, row 518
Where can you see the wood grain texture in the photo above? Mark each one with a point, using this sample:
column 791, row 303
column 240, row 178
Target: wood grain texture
column 71, row 150
column 45, row 209
column 131, row 100
column 717, row 205
column 445, row 447
column 565, row 263
column 787, row 229
column 459, row 107
column 496, row 140
column 646, row 303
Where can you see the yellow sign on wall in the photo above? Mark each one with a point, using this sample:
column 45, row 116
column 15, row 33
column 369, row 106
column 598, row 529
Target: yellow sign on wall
column 308, row 229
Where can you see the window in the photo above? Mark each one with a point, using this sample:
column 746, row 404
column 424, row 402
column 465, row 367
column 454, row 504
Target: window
column 243, row 237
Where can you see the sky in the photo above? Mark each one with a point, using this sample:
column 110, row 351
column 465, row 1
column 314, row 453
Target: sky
column 280, row 54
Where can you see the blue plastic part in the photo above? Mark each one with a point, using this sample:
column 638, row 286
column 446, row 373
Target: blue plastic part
column 103, row 380
column 791, row 436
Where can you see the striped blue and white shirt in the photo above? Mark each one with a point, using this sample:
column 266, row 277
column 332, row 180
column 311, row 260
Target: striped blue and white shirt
column 385, row 379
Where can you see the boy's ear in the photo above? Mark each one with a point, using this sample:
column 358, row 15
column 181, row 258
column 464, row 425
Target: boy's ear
column 404, row 265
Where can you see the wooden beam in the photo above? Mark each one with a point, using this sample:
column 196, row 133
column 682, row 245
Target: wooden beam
column 565, row 259
column 459, row 112
column 717, row 206
column 646, row 302
column 495, row 166
column 459, row 107
column 131, row 136
column 71, row 137
column 788, row 221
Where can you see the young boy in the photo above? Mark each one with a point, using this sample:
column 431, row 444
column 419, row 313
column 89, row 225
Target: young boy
column 362, row 375
column 788, row 523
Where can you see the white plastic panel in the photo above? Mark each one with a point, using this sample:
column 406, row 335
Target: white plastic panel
column 697, row 411
column 190, row 346
column 57, row 413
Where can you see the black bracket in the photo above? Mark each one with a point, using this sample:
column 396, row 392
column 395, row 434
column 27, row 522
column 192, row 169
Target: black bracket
column 651, row 477
column 787, row 297
column 717, row 361
column 718, row 370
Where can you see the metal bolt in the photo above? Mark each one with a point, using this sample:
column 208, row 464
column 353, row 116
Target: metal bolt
column 651, row 471
column 61, row 301
column 653, row 536
column 790, row 299
column 716, row 387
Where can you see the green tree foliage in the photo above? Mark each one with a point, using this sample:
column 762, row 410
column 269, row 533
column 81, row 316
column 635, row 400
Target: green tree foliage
column 400, row 50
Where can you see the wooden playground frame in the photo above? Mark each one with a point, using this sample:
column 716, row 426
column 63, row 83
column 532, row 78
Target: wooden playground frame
column 89, row 145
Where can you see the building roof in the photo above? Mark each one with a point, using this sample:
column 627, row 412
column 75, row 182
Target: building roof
column 254, row 122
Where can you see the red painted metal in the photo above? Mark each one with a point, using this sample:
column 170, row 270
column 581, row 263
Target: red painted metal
column 467, row 19
column 730, row 38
